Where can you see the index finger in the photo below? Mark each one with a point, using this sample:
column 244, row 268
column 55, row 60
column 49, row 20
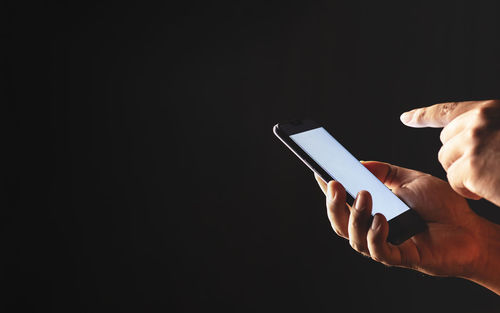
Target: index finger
column 437, row 115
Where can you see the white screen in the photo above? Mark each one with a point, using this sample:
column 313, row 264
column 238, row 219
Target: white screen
column 343, row 167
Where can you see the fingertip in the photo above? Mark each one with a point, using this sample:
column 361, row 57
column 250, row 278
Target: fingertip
column 378, row 232
column 379, row 249
column 321, row 183
column 372, row 163
column 330, row 190
column 379, row 169
column 337, row 209
column 319, row 179
column 364, row 201
column 334, row 188
column 406, row 117
column 334, row 184
column 368, row 163
column 417, row 118
column 378, row 224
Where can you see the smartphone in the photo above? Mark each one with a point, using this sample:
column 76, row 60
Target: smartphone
column 331, row 161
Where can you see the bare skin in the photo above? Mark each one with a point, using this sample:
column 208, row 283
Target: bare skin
column 471, row 144
column 457, row 242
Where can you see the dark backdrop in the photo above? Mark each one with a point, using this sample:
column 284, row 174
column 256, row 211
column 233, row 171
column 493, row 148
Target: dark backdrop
column 143, row 175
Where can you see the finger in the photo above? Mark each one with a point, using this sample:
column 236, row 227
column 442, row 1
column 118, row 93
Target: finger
column 437, row 115
column 452, row 150
column 380, row 250
column 337, row 209
column 457, row 174
column 321, row 183
column 455, row 127
column 391, row 175
column 359, row 222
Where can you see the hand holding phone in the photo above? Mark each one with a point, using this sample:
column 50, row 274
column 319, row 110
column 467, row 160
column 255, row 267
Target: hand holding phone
column 331, row 161
column 451, row 243
column 454, row 241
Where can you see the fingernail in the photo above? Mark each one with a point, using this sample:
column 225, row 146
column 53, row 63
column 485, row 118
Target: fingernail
column 360, row 205
column 406, row 117
column 376, row 223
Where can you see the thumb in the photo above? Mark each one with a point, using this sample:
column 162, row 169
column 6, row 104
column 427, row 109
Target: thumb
column 391, row 175
column 437, row 115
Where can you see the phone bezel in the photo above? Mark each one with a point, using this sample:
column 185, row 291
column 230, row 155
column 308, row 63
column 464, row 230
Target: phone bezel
column 401, row 227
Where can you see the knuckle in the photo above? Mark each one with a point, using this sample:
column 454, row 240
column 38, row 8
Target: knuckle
column 355, row 222
column 451, row 176
column 476, row 113
column 474, row 155
column 365, row 253
column 405, row 261
column 360, row 248
column 420, row 115
column 441, row 155
column 475, row 134
column 447, row 108
column 442, row 135
column 494, row 104
column 474, row 169
column 356, row 246
column 472, row 160
column 478, row 131
column 469, row 184
column 336, row 230
column 491, row 102
column 329, row 204
column 352, row 244
column 376, row 257
column 476, row 137
column 393, row 173
column 483, row 113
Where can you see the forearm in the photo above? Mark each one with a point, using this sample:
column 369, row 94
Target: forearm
column 487, row 273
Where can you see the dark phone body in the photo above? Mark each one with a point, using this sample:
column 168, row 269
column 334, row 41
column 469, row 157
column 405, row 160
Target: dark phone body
column 401, row 227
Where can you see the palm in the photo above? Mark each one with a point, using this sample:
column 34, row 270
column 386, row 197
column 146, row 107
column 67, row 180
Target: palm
column 448, row 245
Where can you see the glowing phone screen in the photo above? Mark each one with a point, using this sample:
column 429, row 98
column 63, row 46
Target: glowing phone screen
column 346, row 169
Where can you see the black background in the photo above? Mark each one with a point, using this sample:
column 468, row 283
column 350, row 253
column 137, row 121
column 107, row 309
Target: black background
column 142, row 174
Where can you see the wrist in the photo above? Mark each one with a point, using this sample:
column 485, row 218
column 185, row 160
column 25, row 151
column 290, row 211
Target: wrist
column 486, row 271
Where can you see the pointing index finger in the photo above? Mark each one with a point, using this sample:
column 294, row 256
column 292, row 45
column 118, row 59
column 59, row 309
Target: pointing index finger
column 437, row 115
